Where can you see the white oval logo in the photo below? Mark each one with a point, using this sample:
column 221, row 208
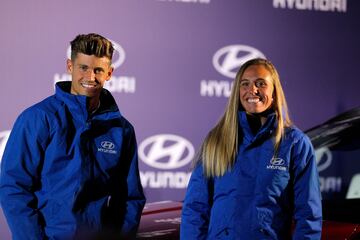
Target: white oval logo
column 277, row 161
column 4, row 136
column 118, row 56
column 166, row 151
column 323, row 158
column 229, row 59
column 107, row 145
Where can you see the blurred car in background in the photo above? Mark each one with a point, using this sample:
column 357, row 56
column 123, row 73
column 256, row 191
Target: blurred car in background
column 337, row 147
column 160, row 220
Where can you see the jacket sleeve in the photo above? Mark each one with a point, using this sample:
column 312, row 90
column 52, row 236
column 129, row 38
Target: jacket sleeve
column 19, row 177
column 135, row 200
column 196, row 207
column 307, row 195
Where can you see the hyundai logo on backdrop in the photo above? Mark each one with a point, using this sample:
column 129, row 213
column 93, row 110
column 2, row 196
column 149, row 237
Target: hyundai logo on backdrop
column 323, row 161
column 187, row 1
column 121, row 84
column 165, row 152
column 317, row 5
column 227, row 61
column 4, row 136
column 118, row 56
column 323, row 158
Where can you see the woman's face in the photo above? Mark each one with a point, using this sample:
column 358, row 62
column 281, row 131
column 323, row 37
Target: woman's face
column 256, row 89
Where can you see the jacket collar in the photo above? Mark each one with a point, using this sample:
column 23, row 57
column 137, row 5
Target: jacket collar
column 266, row 129
column 78, row 103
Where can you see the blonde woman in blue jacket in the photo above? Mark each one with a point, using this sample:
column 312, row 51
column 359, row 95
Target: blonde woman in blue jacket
column 256, row 176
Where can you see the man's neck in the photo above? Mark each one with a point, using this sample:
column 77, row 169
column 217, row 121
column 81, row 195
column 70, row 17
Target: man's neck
column 93, row 104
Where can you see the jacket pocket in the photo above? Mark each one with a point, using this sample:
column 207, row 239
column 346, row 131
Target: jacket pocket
column 93, row 212
column 225, row 233
column 56, row 213
column 263, row 227
column 264, row 234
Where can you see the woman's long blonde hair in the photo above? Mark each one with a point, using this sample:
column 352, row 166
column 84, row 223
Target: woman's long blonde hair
column 219, row 149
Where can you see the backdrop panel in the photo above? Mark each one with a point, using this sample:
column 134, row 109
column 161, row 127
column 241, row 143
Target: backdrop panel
column 175, row 62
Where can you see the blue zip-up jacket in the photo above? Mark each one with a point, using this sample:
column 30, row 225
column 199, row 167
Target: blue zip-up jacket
column 261, row 195
column 66, row 172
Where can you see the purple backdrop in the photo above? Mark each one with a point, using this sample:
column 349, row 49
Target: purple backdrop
column 175, row 61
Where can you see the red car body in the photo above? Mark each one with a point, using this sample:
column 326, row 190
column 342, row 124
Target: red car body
column 161, row 220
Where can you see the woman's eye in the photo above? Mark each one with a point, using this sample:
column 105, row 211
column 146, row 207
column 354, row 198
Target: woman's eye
column 260, row 84
column 244, row 84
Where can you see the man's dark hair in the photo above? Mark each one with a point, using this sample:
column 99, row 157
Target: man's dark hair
column 91, row 44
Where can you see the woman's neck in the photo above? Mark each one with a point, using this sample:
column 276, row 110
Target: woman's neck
column 255, row 122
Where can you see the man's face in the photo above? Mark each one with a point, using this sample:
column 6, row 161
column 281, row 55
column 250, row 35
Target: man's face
column 89, row 74
column 256, row 89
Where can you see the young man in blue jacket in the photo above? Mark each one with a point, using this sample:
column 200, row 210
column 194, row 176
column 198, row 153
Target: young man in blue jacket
column 70, row 167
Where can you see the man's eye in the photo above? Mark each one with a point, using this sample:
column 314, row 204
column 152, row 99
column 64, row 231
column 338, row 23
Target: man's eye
column 83, row 68
column 98, row 71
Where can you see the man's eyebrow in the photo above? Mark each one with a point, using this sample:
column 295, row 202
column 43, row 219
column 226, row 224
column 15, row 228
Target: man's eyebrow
column 99, row 69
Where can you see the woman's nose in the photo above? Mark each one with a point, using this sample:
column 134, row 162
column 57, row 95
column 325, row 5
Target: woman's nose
column 253, row 88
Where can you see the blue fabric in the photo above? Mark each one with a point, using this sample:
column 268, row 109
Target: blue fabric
column 261, row 195
column 65, row 172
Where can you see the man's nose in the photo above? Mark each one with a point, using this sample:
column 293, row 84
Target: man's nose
column 91, row 75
